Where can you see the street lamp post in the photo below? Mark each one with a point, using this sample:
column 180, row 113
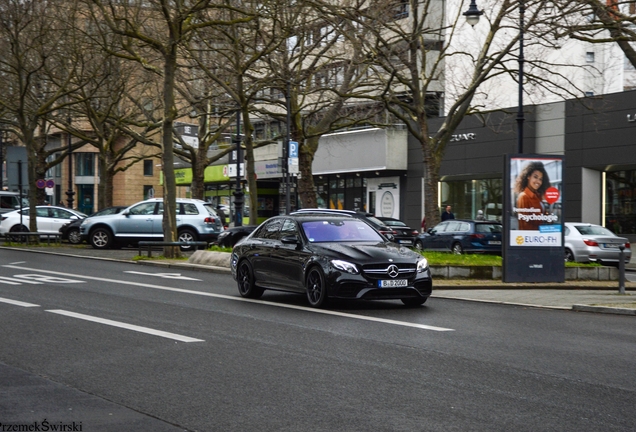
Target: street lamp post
column 238, row 192
column 472, row 17
column 70, row 192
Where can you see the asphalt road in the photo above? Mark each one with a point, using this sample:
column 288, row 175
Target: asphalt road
column 118, row 346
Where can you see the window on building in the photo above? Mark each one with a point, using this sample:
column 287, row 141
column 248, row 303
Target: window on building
column 589, row 57
column 84, row 164
column 148, row 167
column 401, row 9
column 589, row 93
column 620, row 202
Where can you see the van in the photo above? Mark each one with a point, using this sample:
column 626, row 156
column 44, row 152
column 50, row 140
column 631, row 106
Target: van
column 10, row 201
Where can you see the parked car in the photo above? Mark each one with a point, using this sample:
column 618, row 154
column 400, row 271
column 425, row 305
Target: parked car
column 462, row 236
column 10, row 201
column 586, row 242
column 70, row 231
column 328, row 256
column 196, row 221
column 402, row 233
column 369, row 218
column 233, row 235
column 49, row 219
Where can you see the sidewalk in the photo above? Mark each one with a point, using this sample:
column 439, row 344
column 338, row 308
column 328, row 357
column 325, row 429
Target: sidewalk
column 583, row 296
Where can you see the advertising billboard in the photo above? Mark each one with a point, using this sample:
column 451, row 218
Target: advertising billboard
column 533, row 226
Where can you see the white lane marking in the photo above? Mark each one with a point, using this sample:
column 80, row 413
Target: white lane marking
column 11, row 281
column 39, row 279
column 126, row 326
column 226, row 297
column 17, row 303
column 165, row 275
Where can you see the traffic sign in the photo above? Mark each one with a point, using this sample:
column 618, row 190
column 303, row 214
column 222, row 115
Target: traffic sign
column 50, row 183
column 40, row 183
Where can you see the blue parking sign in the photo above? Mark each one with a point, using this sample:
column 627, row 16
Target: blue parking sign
column 293, row 149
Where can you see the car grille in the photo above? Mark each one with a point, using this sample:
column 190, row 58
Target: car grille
column 381, row 271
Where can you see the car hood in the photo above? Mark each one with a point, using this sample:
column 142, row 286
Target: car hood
column 362, row 251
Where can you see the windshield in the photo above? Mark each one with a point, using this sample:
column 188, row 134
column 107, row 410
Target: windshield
column 394, row 223
column 340, row 230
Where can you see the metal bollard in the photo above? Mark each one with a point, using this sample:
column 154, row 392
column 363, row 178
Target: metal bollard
column 621, row 270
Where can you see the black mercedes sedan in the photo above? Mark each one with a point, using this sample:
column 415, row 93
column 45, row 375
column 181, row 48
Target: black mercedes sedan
column 328, row 256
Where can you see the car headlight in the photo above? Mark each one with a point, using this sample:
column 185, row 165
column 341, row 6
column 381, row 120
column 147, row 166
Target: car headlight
column 345, row 266
column 422, row 265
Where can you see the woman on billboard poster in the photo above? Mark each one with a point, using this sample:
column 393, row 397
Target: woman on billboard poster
column 531, row 185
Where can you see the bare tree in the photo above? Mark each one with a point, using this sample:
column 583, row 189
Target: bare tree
column 153, row 32
column 600, row 22
column 37, row 74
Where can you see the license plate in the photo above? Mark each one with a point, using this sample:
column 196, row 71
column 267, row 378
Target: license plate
column 393, row 283
column 611, row 245
column 406, row 241
column 495, row 242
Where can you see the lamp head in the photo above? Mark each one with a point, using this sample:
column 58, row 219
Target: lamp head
column 472, row 14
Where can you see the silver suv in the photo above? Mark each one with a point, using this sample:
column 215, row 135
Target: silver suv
column 196, row 221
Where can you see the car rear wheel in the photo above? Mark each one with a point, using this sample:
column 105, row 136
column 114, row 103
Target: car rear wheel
column 414, row 301
column 316, row 288
column 569, row 256
column 187, row 236
column 19, row 228
column 101, row 238
column 458, row 249
column 74, row 236
column 245, row 280
column 418, row 245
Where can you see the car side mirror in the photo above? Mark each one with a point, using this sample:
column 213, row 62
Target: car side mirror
column 73, row 218
column 125, row 213
column 390, row 237
column 290, row 239
column 431, row 231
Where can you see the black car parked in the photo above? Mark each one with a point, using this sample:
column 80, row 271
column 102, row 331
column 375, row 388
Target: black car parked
column 403, row 234
column 231, row 236
column 328, row 256
column 462, row 236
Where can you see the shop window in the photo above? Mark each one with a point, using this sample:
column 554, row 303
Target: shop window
column 620, row 202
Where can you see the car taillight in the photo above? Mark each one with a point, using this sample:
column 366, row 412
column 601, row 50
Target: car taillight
column 590, row 242
column 627, row 245
column 477, row 236
column 415, row 232
column 209, row 220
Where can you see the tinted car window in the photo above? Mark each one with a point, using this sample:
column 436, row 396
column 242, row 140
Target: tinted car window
column 270, row 230
column 189, row 209
column 463, row 227
column 143, row 209
column 487, row 228
column 440, row 228
column 289, row 228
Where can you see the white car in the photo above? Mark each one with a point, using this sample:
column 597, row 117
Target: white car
column 49, row 219
column 586, row 242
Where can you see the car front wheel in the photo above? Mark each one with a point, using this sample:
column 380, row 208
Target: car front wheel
column 187, row 236
column 316, row 288
column 569, row 256
column 245, row 280
column 101, row 238
column 418, row 245
column 74, row 236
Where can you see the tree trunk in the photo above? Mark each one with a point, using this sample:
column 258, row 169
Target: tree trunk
column 306, row 188
column 167, row 158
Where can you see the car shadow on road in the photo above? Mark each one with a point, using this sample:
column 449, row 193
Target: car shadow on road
column 341, row 305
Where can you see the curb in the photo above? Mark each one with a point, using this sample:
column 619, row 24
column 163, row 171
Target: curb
column 604, row 309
